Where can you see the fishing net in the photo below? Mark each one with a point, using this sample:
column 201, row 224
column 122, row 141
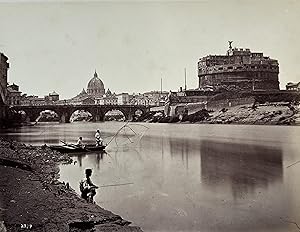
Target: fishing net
column 128, row 135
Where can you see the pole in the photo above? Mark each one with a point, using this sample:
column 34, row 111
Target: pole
column 184, row 78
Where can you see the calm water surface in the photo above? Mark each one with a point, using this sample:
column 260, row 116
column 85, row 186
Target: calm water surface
column 188, row 177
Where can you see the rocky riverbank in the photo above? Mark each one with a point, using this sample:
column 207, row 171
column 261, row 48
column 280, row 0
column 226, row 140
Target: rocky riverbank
column 266, row 114
column 280, row 113
column 33, row 199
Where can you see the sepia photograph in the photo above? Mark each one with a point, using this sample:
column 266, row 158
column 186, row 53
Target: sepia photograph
column 151, row 115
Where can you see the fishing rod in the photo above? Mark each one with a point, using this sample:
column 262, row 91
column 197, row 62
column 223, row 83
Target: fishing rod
column 110, row 185
column 293, row 164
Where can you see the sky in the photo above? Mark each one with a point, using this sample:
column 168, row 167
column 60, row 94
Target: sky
column 133, row 44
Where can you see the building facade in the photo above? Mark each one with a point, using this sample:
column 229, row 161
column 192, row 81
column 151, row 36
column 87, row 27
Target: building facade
column 4, row 66
column 293, row 86
column 122, row 98
column 52, row 97
column 152, row 98
column 13, row 96
column 108, row 98
column 239, row 69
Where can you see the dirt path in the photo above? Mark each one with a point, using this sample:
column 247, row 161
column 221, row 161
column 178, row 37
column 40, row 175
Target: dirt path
column 32, row 198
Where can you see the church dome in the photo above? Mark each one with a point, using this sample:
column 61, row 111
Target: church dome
column 95, row 86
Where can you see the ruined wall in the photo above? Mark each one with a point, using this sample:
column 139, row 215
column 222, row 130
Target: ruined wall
column 227, row 103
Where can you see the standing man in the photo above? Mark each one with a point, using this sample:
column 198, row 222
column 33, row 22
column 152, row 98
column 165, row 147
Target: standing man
column 99, row 140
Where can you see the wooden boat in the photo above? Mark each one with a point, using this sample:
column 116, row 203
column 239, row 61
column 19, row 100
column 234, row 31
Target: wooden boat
column 70, row 148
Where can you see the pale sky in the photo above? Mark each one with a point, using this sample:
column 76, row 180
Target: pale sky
column 57, row 46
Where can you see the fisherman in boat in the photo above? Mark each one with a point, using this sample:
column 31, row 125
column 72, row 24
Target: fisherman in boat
column 80, row 143
column 87, row 188
column 99, row 140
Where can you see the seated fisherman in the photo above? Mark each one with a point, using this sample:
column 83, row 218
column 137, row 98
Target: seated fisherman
column 80, row 143
column 87, row 188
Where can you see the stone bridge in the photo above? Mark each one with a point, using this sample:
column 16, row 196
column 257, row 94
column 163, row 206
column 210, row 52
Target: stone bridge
column 64, row 112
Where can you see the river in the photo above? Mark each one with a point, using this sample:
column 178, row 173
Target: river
column 187, row 177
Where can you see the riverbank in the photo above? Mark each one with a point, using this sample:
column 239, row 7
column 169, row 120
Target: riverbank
column 263, row 114
column 280, row 113
column 33, row 199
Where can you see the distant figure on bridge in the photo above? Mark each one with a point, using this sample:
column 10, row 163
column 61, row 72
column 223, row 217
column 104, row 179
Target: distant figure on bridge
column 99, row 140
column 80, row 143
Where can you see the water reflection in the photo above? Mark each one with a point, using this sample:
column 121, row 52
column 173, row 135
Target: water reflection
column 190, row 177
column 94, row 157
column 244, row 167
column 185, row 148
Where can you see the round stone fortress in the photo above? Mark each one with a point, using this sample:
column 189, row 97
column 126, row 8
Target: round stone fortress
column 239, row 69
column 95, row 86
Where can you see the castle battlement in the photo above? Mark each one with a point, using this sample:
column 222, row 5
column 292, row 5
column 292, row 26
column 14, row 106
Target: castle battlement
column 239, row 68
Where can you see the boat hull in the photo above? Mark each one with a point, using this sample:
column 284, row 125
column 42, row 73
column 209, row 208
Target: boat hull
column 74, row 149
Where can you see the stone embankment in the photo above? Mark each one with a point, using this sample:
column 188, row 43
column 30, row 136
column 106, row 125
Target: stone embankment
column 279, row 113
column 32, row 198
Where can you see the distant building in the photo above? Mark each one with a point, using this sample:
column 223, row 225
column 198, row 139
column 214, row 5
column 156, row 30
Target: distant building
column 107, row 99
column 13, row 95
column 293, row 86
column 152, row 98
column 239, row 69
column 53, row 96
column 93, row 95
column 122, row 98
column 32, row 100
column 81, row 98
column 4, row 65
column 95, row 87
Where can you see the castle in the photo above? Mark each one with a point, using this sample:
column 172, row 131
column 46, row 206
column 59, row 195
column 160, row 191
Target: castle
column 239, row 69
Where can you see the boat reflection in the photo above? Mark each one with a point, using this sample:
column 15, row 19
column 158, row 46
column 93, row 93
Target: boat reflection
column 96, row 156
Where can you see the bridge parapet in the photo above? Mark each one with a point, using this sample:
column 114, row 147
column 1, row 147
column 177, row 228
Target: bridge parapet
column 65, row 111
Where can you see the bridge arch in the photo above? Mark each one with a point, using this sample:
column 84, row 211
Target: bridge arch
column 32, row 115
column 81, row 114
column 65, row 111
column 108, row 109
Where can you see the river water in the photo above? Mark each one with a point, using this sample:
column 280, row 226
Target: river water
column 187, row 177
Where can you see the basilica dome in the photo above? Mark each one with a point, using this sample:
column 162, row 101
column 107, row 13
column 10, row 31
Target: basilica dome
column 95, row 86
